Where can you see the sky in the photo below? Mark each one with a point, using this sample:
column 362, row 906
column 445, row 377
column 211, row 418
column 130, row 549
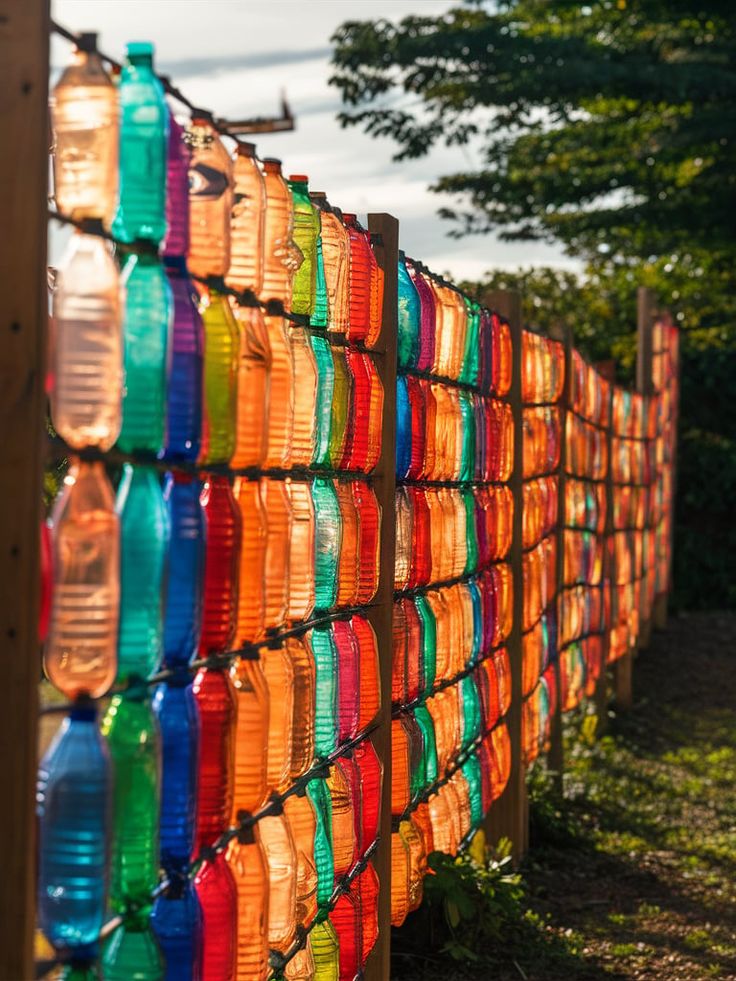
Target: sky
column 235, row 57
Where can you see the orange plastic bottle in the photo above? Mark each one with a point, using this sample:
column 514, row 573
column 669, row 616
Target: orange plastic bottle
column 304, row 385
column 348, row 569
column 281, row 859
column 253, row 388
column 369, row 511
column 370, row 685
column 301, row 551
column 81, row 650
column 279, row 252
column 336, row 257
column 275, row 499
column 303, row 668
column 250, row 784
column 400, row 866
column 279, row 674
column 210, row 201
column 280, row 418
column 343, row 820
column 368, row 887
column 251, row 601
column 299, row 811
column 247, row 221
column 400, row 766
column 247, row 863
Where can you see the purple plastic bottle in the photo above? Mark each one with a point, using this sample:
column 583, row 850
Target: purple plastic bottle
column 176, row 242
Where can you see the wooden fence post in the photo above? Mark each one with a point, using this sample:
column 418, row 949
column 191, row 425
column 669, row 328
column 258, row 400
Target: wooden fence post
column 607, row 370
column 24, row 51
column 509, row 815
column 386, row 248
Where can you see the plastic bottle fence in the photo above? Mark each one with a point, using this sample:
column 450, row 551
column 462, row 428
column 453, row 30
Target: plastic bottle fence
column 235, row 462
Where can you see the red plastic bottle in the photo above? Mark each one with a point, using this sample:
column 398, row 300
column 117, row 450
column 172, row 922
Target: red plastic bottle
column 219, row 901
column 222, row 565
column 216, row 704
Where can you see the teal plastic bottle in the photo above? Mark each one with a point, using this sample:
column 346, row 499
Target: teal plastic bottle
column 470, row 710
column 133, row 740
column 306, row 233
column 320, row 314
column 144, row 133
column 323, row 855
column 467, row 452
column 471, row 354
column 471, row 537
column 471, row 772
column 131, row 952
column 326, row 680
column 425, row 723
column 146, row 329
column 327, row 543
column 410, row 315
column 325, row 389
column 144, row 541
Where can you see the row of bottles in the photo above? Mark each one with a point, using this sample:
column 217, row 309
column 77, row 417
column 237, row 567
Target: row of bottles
column 443, row 820
column 448, row 433
column 437, row 635
column 242, row 559
column 145, row 360
column 445, row 333
column 121, row 157
column 542, row 368
column 446, row 532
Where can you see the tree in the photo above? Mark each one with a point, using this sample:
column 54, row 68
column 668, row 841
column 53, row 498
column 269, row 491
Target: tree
column 608, row 125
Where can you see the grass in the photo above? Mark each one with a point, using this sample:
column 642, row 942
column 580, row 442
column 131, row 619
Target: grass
column 631, row 874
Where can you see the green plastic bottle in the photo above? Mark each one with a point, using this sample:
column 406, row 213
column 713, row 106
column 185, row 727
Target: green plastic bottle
column 325, row 715
column 471, row 353
column 132, row 954
column 306, row 234
column 470, row 710
column 325, row 389
column 321, row 310
column 425, row 723
column 471, row 772
column 144, row 539
column 79, row 971
column 323, row 857
column 327, row 542
column 221, row 356
column 148, row 315
column 471, row 537
column 144, row 132
column 467, row 452
column 326, row 952
column 429, row 640
column 133, row 739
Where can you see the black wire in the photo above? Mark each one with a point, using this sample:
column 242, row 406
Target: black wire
column 410, row 591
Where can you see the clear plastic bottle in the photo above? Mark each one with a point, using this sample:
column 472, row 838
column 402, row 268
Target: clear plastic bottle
column 344, row 845
column 327, row 542
column 247, row 862
column 278, row 846
column 81, row 650
column 300, row 814
column 210, row 200
column 84, row 117
column 147, row 326
column 73, row 808
column 144, row 540
column 247, row 224
column 87, row 353
column 144, row 131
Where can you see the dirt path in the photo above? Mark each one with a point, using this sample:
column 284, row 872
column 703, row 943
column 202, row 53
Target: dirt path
column 633, row 874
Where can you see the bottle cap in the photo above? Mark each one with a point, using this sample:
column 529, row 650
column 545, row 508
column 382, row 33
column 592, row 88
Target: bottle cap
column 272, row 164
column 87, row 41
column 246, row 149
column 348, row 216
column 299, row 178
column 139, row 49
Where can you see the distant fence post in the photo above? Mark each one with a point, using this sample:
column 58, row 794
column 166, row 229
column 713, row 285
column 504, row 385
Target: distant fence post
column 607, row 370
column 645, row 315
column 24, row 50
column 509, row 815
column 386, row 229
column 555, row 755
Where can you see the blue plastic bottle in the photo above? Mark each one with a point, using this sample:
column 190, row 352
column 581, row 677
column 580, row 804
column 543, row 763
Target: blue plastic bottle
column 73, row 807
column 403, row 428
column 184, row 397
column 178, row 719
column 146, row 328
column 177, row 923
column 144, row 132
column 144, row 540
column 183, row 606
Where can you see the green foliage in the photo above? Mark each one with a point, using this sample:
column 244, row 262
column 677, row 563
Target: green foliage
column 607, row 124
